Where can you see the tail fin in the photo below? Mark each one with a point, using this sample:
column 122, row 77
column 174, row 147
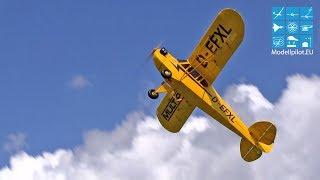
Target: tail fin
column 264, row 133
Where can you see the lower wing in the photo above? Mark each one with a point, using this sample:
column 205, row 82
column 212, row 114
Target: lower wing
column 174, row 110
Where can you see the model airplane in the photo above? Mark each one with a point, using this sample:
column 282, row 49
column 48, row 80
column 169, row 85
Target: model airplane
column 187, row 85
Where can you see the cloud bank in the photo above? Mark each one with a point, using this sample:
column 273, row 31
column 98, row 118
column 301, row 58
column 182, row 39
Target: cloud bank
column 141, row 149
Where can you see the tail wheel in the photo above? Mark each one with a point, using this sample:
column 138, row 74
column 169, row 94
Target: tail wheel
column 166, row 74
column 153, row 94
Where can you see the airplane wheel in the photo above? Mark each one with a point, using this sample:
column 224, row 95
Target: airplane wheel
column 166, row 74
column 163, row 51
column 153, row 94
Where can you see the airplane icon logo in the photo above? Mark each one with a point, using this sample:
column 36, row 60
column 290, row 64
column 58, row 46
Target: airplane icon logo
column 277, row 13
column 292, row 27
column 292, row 13
column 276, row 27
column 306, row 13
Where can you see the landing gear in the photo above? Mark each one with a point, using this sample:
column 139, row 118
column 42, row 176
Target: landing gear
column 163, row 51
column 153, row 94
column 166, row 74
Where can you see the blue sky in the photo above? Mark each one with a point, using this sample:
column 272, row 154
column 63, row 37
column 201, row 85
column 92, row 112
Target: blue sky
column 45, row 44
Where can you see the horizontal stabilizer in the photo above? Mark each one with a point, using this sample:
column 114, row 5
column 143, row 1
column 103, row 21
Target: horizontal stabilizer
column 249, row 152
column 264, row 134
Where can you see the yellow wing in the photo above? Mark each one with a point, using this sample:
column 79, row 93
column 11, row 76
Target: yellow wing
column 174, row 111
column 218, row 44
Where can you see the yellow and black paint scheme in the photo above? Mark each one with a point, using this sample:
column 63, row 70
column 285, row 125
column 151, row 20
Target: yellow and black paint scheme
column 187, row 85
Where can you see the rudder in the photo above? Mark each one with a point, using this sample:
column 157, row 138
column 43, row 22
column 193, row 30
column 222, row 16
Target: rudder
column 264, row 132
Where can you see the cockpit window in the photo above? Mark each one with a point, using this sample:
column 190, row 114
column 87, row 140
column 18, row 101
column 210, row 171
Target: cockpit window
column 204, row 83
column 185, row 65
column 194, row 73
column 199, row 78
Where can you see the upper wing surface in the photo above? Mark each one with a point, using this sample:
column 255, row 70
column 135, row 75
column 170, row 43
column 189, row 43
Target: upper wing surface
column 218, row 44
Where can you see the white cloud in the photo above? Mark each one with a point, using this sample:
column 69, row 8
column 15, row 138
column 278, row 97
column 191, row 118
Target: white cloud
column 15, row 142
column 140, row 148
column 79, row 82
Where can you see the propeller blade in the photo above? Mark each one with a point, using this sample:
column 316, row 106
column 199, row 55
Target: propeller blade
column 153, row 50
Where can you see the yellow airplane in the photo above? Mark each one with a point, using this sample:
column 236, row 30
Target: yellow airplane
column 187, row 84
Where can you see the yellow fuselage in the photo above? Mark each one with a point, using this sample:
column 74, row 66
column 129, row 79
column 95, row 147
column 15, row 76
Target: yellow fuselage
column 206, row 98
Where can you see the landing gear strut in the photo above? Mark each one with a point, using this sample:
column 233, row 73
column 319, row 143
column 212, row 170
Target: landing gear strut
column 166, row 74
column 153, row 94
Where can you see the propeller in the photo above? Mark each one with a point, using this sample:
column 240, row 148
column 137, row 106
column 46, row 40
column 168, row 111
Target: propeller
column 141, row 65
column 159, row 45
column 152, row 81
